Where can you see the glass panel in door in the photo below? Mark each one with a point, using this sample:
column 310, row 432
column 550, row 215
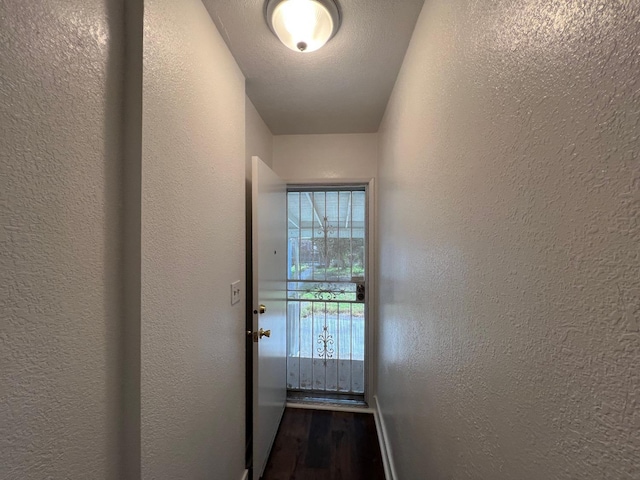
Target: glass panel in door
column 326, row 290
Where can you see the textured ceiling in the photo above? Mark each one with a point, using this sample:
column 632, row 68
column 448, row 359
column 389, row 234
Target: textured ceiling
column 341, row 88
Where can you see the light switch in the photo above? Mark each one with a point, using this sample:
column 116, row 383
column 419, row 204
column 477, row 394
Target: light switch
column 235, row 292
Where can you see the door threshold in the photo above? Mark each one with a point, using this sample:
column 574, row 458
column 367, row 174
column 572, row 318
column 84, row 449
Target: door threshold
column 325, row 399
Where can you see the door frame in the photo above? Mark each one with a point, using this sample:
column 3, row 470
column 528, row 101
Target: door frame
column 371, row 306
column 248, row 298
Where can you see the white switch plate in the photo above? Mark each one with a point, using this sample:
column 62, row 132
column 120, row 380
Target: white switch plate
column 235, row 292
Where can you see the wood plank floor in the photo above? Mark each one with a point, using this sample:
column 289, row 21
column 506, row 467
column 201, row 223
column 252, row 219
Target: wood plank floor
column 325, row 445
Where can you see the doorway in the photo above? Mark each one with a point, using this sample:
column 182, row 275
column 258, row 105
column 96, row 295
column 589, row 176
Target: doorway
column 327, row 301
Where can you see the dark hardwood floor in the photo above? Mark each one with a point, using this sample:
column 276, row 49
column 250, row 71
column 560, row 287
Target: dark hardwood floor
column 325, row 445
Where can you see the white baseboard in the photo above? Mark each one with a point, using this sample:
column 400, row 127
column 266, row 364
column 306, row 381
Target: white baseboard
column 383, row 439
column 245, row 475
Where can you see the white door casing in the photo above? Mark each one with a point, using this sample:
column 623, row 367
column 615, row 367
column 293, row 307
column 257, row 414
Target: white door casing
column 269, row 253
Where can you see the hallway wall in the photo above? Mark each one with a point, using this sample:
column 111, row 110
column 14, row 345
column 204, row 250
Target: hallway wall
column 259, row 139
column 61, row 75
column 327, row 156
column 509, row 205
column 193, row 218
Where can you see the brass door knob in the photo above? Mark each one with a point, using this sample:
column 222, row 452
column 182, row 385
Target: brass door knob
column 264, row 333
column 263, row 308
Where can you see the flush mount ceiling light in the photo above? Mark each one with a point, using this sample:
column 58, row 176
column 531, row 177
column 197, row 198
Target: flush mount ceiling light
column 303, row 25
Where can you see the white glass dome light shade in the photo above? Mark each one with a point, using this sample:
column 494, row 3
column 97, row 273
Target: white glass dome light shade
column 303, row 25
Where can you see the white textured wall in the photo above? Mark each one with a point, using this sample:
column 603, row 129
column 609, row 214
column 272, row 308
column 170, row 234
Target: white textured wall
column 192, row 385
column 259, row 140
column 60, row 161
column 510, row 258
column 326, row 156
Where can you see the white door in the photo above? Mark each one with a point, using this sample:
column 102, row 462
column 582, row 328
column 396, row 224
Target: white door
column 269, row 246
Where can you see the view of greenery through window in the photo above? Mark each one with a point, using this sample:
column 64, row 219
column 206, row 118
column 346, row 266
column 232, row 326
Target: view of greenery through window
column 325, row 320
